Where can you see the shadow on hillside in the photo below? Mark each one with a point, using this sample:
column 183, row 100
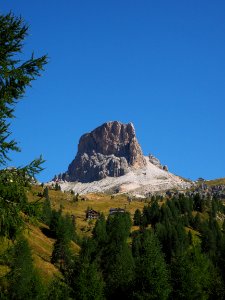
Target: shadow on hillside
column 47, row 232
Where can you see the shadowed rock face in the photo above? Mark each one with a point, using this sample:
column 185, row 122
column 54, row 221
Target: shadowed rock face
column 109, row 150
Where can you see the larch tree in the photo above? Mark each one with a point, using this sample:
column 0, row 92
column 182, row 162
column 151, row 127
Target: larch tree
column 15, row 76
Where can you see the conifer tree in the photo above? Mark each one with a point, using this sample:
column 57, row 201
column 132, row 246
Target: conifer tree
column 45, row 193
column 99, row 231
column 58, row 290
column 198, row 203
column 64, row 231
column 15, row 76
column 46, row 208
column 23, row 279
column 46, row 212
column 118, row 270
column 86, row 281
column 117, row 261
column 137, row 217
column 152, row 276
column 193, row 276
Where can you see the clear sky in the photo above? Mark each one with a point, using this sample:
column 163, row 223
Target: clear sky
column 159, row 64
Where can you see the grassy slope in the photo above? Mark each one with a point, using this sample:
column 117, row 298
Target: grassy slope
column 42, row 245
column 99, row 202
column 219, row 181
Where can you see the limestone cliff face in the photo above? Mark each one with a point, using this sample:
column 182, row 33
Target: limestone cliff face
column 109, row 150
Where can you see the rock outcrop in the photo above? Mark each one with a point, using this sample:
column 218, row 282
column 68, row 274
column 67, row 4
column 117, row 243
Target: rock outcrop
column 111, row 150
column 155, row 161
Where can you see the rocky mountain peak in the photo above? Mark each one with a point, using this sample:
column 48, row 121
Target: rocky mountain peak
column 110, row 150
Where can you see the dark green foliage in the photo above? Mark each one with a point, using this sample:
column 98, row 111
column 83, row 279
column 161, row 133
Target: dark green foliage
column 119, row 271
column 13, row 200
column 211, row 237
column 61, row 254
column 46, row 212
column 86, row 281
column 194, row 277
column 16, row 75
column 23, row 280
column 118, row 227
column 143, row 272
column 151, row 276
column 45, row 193
column 62, row 226
column 198, row 203
column 89, row 250
column 171, row 234
column 137, row 217
column 136, row 244
column 63, row 230
column 190, row 238
column 58, row 290
column 99, row 232
column 46, row 208
column 166, row 215
column 118, row 264
column 144, row 221
column 223, row 226
column 185, row 203
column 57, row 187
column 152, row 213
column 55, row 221
column 196, row 222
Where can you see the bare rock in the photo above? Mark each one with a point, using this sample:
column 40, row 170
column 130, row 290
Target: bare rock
column 155, row 161
column 165, row 168
column 109, row 150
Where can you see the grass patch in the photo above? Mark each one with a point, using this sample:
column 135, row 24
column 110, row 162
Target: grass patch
column 219, row 181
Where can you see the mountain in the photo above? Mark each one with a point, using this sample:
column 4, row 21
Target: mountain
column 109, row 150
column 109, row 158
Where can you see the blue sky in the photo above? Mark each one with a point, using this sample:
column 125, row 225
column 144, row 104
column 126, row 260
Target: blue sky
column 158, row 64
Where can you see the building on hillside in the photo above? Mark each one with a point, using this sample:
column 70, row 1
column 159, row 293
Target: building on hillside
column 113, row 211
column 92, row 214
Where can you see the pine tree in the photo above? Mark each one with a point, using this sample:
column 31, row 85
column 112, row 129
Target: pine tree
column 117, row 261
column 194, row 277
column 57, row 187
column 45, row 193
column 23, row 279
column 64, row 232
column 58, row 290
column 154, row 213
column 86, row 281
column 152, row 276
column 99, row 231
column 118, row 270
column 137, row 217
column 61, row 254
column 46, row 208
column 198, row 203
column 118, row 227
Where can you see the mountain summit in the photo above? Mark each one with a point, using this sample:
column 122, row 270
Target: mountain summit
column 110, row 150
column 109, row 159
